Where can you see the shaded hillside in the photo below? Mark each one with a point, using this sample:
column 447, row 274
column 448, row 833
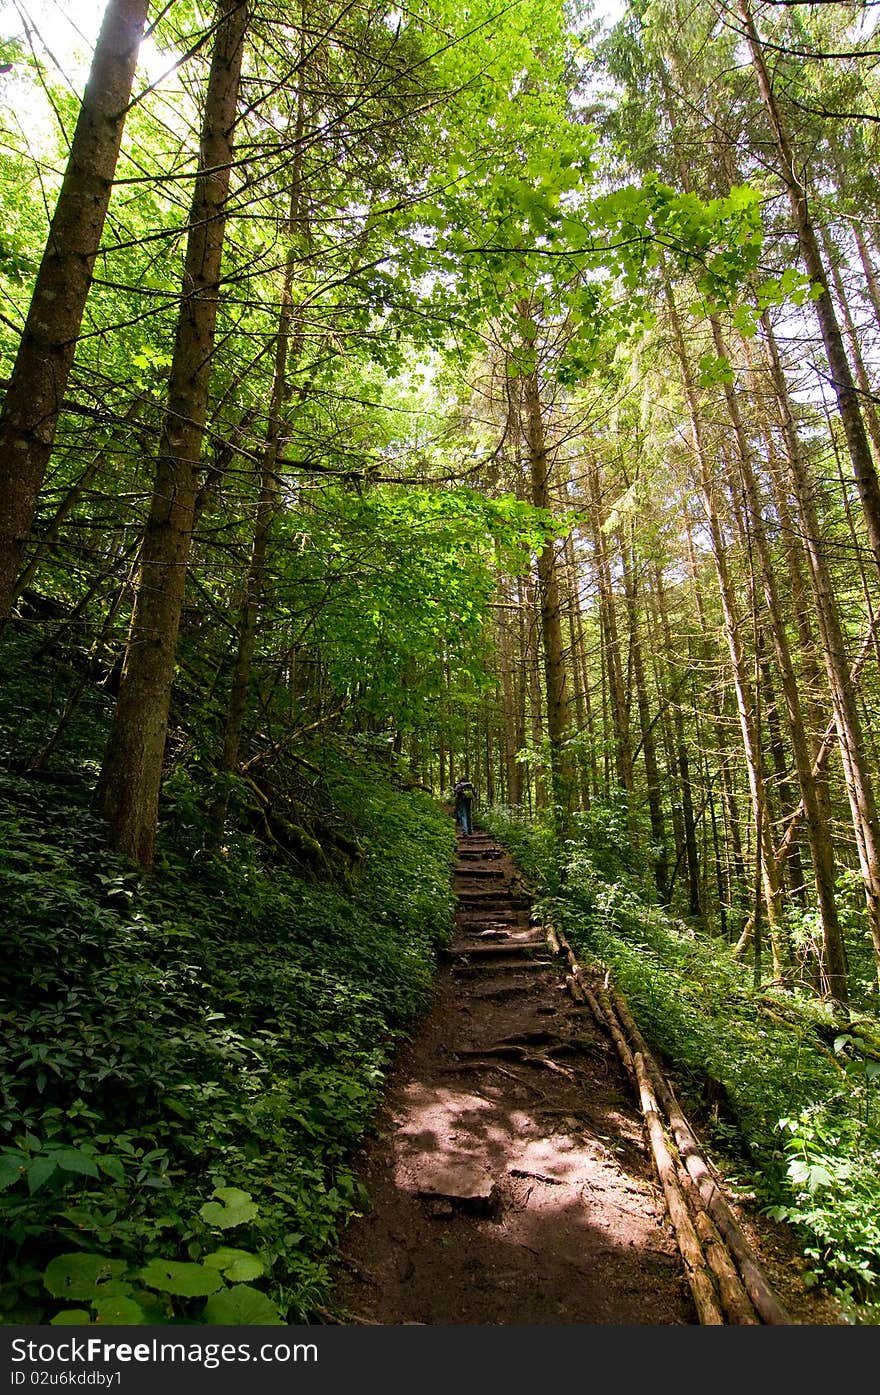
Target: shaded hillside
column 225, row 1023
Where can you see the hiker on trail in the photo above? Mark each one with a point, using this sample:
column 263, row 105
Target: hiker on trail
column 464, row 799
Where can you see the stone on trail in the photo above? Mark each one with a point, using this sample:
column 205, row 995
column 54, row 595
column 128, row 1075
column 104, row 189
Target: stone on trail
column 457, row 1180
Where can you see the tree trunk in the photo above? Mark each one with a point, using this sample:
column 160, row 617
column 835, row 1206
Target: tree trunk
column 859, row 786
column 531, row 681
column 127, row 795
column 269, row 494
column 580, row 690
column 646, row 727
column 513, row 706
column 558, row 728
column 42, row 366
column 872, row 421
column 871, row 285
column 617, row 696
column 818, row 827
column 841, row 376
column 745, row 702
column 688, row 835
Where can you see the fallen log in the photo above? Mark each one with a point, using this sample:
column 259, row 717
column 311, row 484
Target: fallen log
column 766, row 1303
column 735, row 1300
column 698, row 1275
column 623, row 1047
column 575, row 989
column 745, row 1292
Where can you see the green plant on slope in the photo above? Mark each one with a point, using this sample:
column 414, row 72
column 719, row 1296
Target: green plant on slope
column 798, row 1123
column 228, row 1020
column 163, row 1290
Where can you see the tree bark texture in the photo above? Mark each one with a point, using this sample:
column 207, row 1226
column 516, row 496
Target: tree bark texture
column 845, row 389
column 817, row 821
column 745, row 703
column 34, row 397
column 859, row 784
column 558, row 726
column 128, row 788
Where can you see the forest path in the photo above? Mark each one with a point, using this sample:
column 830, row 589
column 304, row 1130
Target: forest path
column 509, row 1175
column 509, row 1178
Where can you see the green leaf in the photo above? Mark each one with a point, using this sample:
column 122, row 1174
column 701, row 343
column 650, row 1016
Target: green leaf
column 811, row 1175
column 80, row 1275
column 778, row 1213
column 798, row 1170
column 237, row 1265
column 72, row 1317
column 715, row 370
column 119, row 1309
column 233, row 1207
column 113, row 1168
column 242, row 1306
column 745, row 318
column 183, row 1280
column 75, row 1160
column 11, row 1168
column 818, row 1177
column 39, row 1172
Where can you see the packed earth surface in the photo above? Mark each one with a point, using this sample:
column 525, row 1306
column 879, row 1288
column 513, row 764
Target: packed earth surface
column 509, row 1176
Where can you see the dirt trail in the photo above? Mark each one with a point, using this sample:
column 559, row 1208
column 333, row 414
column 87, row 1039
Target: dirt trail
column 509, row 1176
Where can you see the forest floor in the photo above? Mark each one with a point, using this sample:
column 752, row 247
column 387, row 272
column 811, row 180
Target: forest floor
column 509, row 1177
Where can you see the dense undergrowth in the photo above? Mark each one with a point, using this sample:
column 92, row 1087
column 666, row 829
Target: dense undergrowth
column 191, row 1057
column 785, row 1091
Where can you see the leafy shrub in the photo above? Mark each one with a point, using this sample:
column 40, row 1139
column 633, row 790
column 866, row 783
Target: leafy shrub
column 166, row 1290
column 225, row 1023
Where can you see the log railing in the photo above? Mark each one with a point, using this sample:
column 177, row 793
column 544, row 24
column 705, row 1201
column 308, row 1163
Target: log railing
column 726, row 1281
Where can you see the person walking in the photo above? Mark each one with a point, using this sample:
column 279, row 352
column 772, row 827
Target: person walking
column 464, row 800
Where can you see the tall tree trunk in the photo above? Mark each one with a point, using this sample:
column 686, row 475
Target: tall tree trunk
column 859, row 785
column 580, row 690
column 841, row 375
column 513, row 705
column 35, row 394
column 617, row 695
column 127, row 795
column 818, row 828
column 869, row 411
column 558, row 726
column 269, row 492
column 531, row 681
column 744, row 690
column 871, row 283
column 646, row 725
column 688, row 837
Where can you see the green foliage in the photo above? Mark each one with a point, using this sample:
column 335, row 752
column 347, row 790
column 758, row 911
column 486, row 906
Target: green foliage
column 231, row 1208
column 165, row 1290
column 224, row 1019
column 833, row 1167
column 397, row 585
